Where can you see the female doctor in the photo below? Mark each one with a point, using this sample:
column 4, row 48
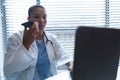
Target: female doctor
column 34, row 54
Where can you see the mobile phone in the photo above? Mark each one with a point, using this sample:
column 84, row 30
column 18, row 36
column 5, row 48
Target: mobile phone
column 27, row 24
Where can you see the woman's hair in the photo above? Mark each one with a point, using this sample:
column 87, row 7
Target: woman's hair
column 31, row 9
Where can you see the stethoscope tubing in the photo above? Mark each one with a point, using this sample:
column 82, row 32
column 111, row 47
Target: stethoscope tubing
column 47, row 40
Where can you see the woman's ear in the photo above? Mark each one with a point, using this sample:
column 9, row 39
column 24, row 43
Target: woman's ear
column 28, row 18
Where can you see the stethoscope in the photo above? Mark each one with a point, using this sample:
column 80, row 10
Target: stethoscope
column 47, row 40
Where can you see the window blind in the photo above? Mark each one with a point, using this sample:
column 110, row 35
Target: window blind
column 64, row 16
column 16, row 13
column 1, row 41
column 114, row 13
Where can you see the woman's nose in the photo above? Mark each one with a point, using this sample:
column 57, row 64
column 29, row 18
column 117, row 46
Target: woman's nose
column 42, row 19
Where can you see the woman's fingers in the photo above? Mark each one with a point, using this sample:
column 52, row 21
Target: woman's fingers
column 70, row 66
column 30, row 34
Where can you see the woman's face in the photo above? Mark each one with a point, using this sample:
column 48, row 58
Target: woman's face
column 40, row 16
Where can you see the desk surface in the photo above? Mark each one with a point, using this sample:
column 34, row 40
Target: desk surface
column 64, row 75
column 118, row 73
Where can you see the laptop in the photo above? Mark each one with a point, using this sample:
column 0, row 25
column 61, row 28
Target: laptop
column 97, row 52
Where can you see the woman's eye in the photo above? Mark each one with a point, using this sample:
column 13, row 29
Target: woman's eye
column 37, row 17
column 44, row 17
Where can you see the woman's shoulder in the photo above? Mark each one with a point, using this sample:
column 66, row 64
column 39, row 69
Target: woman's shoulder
column 51, row 35
column 16, row 34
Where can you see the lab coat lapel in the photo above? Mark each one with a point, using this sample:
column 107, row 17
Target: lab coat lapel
column 51, row 55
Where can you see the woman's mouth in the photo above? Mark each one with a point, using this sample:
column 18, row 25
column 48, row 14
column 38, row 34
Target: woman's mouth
column 41, row 26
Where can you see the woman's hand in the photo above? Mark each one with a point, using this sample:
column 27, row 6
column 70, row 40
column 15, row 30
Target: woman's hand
column 70, row 66
column 30, row 35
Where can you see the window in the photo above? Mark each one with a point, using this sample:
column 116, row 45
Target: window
column 2, row 46
column 64, row 16
column 114, row 13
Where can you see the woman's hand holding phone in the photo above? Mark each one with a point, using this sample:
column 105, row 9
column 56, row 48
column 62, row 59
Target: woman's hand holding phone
column 30, row 33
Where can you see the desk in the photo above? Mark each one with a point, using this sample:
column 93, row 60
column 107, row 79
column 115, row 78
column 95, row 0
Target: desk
column 118, row 73
column 64, row 75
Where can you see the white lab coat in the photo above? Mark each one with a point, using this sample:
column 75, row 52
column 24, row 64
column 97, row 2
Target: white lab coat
column 19, row 64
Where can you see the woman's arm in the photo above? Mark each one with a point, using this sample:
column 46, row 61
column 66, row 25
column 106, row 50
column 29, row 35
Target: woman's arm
column 62, row 56
column 17, row 57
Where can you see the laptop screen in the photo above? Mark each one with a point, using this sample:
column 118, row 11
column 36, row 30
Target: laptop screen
column 96, row 53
